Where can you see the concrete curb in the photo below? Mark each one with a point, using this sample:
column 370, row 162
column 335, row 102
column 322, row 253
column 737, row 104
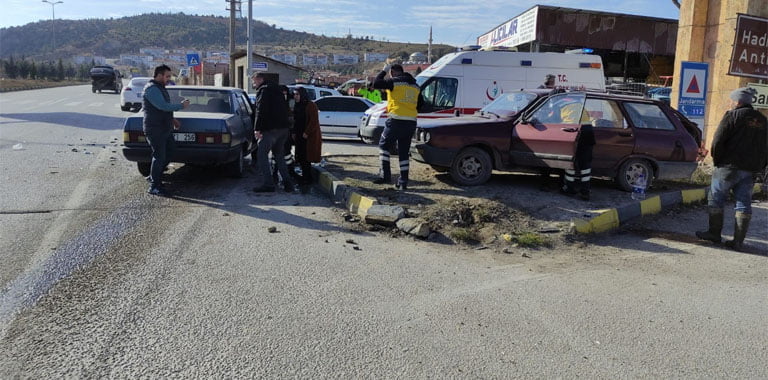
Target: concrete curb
column 609, row 219
column 340, row 192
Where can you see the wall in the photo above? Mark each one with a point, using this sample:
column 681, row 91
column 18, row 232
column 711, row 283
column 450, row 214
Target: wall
column 706, row 34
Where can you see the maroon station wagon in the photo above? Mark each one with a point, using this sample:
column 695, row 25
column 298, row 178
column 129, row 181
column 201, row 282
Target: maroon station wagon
column 533, row 129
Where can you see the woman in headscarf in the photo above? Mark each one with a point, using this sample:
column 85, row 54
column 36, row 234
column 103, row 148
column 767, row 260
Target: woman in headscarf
column 306, row 133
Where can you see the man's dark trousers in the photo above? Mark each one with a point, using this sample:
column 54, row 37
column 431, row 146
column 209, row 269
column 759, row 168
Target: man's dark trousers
column 273, row 140
column 400, row 132
column 163, row 146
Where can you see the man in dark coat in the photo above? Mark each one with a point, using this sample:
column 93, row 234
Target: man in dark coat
column 159, row 125
column 739, row 149
column 272, row 129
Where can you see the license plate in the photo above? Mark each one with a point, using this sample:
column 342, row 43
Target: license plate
column 185, row 137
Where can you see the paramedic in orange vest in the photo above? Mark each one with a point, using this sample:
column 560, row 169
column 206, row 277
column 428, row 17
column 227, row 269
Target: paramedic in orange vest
column 403, row 102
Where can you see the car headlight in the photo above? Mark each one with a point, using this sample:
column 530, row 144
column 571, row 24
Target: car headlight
column 427, row 136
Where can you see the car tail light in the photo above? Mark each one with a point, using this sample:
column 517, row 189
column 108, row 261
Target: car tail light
column 134, row 136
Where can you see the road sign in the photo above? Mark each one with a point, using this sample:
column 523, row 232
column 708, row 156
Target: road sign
column 693, row 90
column 259, row 66
column 761, row 99
column 193, row 60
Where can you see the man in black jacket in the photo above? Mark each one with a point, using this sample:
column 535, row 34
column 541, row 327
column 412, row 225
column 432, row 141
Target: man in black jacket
column 271, row 128
column 739, row 149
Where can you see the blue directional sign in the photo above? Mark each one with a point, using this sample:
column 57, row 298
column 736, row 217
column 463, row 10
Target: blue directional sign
column 259, row 66
column 193, row 60
column 693, row 90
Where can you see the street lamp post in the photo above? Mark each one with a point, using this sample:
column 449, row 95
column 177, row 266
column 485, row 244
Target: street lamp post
column 53, row 18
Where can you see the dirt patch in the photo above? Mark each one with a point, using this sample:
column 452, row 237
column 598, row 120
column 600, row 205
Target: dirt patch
column 510, row 209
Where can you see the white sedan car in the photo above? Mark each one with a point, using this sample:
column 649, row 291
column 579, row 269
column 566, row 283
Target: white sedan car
column 131, row 96
column 340, row 115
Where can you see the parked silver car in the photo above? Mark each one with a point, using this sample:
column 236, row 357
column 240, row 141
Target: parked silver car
column 216, row 129
column 340, row 115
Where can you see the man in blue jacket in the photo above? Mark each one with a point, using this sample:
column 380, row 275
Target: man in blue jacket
column 159, row 125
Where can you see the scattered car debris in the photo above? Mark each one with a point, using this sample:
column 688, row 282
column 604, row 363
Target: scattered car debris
column 272, row 229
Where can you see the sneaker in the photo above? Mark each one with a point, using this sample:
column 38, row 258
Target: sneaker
column 264, row 189
column 158, row 191
column 401, row 187
column 382, row 181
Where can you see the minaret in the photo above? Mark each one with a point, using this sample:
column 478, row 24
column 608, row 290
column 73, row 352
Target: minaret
column 429, row 47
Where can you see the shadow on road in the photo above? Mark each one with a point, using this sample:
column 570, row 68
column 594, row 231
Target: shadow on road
column 206, row 186
column 69, row 119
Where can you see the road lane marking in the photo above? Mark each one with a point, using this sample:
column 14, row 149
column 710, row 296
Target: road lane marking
column 73, row 104
column 97, row 104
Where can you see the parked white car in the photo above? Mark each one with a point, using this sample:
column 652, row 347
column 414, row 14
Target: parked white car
column 340, row 115
column 315, row 92
column 131, row 96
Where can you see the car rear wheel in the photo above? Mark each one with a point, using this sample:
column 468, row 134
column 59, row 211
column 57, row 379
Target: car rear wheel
column 236, row 168
column 144, row 168
column 472, row 166
column 125, row 108
column 631, row 170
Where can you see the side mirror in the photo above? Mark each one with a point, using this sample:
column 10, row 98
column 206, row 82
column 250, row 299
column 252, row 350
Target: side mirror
column 457, row 112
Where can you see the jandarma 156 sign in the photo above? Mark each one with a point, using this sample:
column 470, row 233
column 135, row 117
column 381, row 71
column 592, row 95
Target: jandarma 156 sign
column 750, row 48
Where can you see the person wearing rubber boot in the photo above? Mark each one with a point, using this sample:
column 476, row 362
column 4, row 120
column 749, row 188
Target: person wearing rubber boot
column 739, row 149
column 577, row 180
column 403, row 102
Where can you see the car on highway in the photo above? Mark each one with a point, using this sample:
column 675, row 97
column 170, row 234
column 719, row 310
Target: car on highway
column 534, row 129
column 216, row 130
column 131, row 96
column 340, row 115
column 106, row 77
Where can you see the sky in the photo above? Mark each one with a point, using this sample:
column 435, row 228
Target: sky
column 454, row 22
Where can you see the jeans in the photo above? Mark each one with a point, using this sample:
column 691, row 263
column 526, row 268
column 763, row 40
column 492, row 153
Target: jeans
column 725, row 179
column 400, row 132
column 272, row 140
column 163, row 146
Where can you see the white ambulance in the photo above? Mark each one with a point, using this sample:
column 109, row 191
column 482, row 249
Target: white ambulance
column 465, row 81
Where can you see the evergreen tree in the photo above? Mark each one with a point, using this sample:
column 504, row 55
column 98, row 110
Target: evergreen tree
column 60, row 70
column 32, row 70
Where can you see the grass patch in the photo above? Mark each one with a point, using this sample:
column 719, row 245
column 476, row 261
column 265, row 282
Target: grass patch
column 465, row 235
column 531, row 240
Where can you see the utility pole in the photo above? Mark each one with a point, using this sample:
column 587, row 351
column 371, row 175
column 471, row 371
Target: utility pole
column 53, row 20
column 232, row 12
column 249, row 48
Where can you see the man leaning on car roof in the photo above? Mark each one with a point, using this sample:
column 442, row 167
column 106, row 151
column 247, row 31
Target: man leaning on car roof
column 159, row 125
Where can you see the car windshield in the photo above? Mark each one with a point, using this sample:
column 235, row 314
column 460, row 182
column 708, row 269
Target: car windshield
column 509, row 104
column 139, row 83
column 202, row 100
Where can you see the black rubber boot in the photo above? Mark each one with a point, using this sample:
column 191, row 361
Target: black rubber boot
column 715, row 226
column 740, row 228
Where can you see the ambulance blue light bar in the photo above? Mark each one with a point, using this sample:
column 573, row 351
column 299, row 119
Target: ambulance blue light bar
column 580, row 51
column 526, row 63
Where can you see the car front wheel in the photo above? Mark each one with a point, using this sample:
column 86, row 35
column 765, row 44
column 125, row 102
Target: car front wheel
column 125, row 108
column 472, row 166
column 630, row 172
column 144, row 168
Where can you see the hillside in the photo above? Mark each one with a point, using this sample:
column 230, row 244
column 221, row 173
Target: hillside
column 111, row 37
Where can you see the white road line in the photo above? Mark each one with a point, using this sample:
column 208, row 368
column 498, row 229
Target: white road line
column 48, row 103
column 97, row 104
column 73, row 104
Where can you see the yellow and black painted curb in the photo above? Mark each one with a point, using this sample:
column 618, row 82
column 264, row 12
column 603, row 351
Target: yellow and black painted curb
column 612, row 218
column 342, row 193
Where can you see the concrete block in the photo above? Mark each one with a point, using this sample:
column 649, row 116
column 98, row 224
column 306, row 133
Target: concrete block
column 385, row 215
column 413, row 226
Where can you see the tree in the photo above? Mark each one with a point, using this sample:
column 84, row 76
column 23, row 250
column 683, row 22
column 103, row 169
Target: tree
column 11, row 70
column 60, row 70
column 33, row 70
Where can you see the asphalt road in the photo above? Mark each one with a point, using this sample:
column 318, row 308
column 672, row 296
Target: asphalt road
column 100, row 280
